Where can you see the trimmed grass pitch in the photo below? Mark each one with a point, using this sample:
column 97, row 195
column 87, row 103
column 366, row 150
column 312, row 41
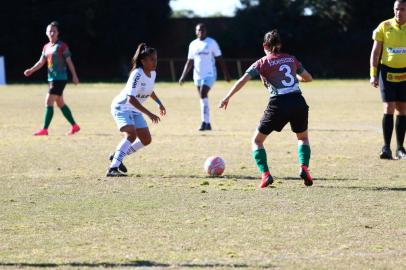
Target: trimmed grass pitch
column 57, row 210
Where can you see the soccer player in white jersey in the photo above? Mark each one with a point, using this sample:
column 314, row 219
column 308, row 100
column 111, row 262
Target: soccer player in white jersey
column 203, row 54
column 127, row 108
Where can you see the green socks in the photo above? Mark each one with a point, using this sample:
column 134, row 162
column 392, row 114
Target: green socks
column 68, row 114
column 303, row 153
column 49, row 113
column 259, row 156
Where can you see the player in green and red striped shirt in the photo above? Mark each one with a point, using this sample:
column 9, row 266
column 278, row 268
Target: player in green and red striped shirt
column 57, row 55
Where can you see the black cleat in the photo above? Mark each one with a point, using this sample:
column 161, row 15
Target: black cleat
column 205, row 126
column 121, row 167
column 386, row 153
column 401, row 153
column 114, row 172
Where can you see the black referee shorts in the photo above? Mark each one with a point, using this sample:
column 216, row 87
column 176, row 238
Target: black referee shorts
column 56, row 87
column 289, row 108
column 392, row 82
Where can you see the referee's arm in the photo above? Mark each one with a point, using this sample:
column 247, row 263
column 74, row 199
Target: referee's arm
column 375, row 55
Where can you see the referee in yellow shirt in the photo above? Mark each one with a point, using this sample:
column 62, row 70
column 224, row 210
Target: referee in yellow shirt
column 388, row 70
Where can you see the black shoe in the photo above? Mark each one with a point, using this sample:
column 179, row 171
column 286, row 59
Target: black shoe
column 114, row 172
column 205, row 126
column 401, row 153
column 202, row 127
column 386, row 153
column 121, row 167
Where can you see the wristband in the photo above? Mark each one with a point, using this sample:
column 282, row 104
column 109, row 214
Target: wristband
column 158, row 101
column 373, row 72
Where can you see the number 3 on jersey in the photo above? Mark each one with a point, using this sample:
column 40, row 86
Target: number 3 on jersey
column 288, row 75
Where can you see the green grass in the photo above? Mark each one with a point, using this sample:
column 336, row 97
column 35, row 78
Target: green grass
column 57, row 210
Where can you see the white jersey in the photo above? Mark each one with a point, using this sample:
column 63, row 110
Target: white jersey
column 139, row 86
column 203, row 53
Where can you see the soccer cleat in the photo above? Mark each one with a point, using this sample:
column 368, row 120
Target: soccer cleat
column 41, row 132
column 401, row 153
column 121, row 167
column 386, row 153
column 208, row 126
column 202, row 127
column 266, row 180
column 114, row 172
column 305, row 175
column 75, row 128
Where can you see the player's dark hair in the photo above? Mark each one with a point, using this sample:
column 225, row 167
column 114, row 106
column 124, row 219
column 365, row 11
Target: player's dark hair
column 54, row 24
column 142, row 51
column 272, row 41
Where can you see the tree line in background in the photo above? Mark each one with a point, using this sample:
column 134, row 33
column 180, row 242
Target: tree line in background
column 331, row 37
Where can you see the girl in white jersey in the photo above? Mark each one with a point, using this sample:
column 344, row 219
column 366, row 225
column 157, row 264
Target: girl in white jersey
column 127, row 108
column 203, row 54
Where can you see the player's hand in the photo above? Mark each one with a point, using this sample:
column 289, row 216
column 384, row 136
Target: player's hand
column 224, row 103
column 154, row 118
column 162, row 110
column 27, row 72
column 374, row 81
column 75, row 80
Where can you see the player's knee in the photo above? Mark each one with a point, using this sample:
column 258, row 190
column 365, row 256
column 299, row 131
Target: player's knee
column 257, row 143
column 131, row 137
column 146, row 140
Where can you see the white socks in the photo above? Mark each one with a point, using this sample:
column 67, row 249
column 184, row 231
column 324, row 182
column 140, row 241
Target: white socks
column 204, row 110
column 120, row 153
column 137, row 145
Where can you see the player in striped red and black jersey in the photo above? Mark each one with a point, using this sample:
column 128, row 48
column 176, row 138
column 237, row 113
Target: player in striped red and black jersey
column 280, row 74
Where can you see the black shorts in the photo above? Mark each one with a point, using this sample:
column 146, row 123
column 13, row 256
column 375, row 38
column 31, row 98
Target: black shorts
column 392, row 82
column 56, row 87
column 283, row 109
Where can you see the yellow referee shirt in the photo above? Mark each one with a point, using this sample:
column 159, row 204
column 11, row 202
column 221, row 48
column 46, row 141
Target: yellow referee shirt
column 393, row 37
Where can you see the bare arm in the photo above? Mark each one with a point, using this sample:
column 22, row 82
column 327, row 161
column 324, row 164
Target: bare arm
column 158, row 101
column 223, row 66
column 305, row 76
column 236, row 87
column 41, row 62
column 133, row 101
column 374, row 61
column 72, row 69
column 186, row 69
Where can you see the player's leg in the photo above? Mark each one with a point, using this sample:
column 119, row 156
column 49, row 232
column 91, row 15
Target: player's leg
column 48, row 114
column 59, row 88
column 303, row 153
column 130, row 134
column 259, row 155
column 400, row 128
column 388, row 95
column 204, row 107
column 299, row 123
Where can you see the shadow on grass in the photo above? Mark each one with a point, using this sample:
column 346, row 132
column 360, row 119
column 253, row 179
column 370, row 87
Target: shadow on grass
column 138, row 263
column 365, row 188
column 316, row 178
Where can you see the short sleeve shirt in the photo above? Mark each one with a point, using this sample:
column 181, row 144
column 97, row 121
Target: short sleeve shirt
column 139, row 86
column 393, row 37
column 278, row 73
column 203, row 53
column 56, row 55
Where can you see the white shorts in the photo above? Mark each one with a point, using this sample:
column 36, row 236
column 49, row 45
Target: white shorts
column 208, row 81
column 129, row 118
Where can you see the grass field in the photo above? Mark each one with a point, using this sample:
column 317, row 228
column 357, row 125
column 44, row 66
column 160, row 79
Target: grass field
column 57, row 210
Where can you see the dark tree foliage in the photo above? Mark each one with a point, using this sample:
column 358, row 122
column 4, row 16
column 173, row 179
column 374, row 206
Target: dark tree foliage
column 102, row 34
column 331, row 37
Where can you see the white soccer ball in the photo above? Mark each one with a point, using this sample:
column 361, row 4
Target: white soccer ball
column 214, row 166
